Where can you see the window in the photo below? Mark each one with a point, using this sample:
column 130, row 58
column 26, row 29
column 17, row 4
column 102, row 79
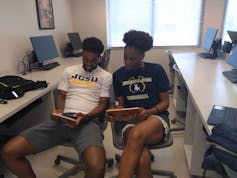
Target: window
column 230, row 19
column 170, row 22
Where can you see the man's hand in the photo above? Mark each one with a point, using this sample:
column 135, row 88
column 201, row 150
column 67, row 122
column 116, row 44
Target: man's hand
column 73, row 124
column 57, row 111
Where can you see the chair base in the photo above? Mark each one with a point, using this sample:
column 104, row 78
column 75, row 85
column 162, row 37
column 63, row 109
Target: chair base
column 157, row 172
column 163, row 173
column 181, row 122
column 118, row 157
column 154, row 171
column 78, row 165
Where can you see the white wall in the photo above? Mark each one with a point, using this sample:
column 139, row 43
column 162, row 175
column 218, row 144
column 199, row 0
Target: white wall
column 18, row 19
column 89, row 17
column 214, row 15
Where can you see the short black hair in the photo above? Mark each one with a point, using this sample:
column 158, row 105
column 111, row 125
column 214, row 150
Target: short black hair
column 93, row 44
column 138, row 39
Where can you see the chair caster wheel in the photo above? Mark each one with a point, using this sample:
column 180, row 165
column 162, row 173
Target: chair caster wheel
column 173, row 121
column 152, row 157
column 57, row 161
column 117, row 157
column 110, row 162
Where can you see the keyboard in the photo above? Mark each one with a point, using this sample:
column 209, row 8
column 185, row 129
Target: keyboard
column 231, row 117
column 223, row 115
column 50, row 65
column 206, row 55
column 231, row 75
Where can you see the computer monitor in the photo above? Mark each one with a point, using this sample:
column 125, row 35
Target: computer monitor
column 75, row 41
column 44, row 47
column 232, row 60
column 233, row 36
column 209, row 38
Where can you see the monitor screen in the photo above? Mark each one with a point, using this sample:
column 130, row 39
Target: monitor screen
column 44, row 47
column 209, row 38
column 75, row 41
column 232, row 60
column 233, row 36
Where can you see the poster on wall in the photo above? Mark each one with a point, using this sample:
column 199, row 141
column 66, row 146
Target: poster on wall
column 45, row 14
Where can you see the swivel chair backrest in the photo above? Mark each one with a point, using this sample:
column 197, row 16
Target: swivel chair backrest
column 118, row 140
column 118, row 143
column 104, row 60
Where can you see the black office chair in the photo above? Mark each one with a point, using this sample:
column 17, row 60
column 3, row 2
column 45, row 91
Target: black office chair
column 172, row 71
column 78, row 164
column 118, row 143
column 177, row 121
column 104, row 60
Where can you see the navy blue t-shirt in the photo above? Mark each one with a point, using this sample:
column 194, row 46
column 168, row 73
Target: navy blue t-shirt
column 141, row 87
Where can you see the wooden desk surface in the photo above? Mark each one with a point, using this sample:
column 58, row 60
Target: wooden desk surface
column 206, row 83
column 51, row 76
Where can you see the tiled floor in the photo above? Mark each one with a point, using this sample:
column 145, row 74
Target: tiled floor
column 172, row 158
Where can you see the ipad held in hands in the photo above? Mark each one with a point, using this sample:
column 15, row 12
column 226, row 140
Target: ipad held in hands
column 123, row 113
column 66, row 116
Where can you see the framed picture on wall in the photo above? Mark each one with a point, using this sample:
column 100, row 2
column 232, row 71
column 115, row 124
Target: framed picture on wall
column 45, row 14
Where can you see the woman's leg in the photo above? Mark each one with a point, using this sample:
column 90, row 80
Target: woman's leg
column 147, row 132
column 143, row 168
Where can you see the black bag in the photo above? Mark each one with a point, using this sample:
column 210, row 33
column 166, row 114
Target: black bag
column 13, row 87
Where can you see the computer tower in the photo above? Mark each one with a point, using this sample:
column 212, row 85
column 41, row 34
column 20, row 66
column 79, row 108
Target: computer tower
column 180, row 94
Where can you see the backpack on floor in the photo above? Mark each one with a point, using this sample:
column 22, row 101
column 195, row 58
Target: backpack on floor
column 13, row 87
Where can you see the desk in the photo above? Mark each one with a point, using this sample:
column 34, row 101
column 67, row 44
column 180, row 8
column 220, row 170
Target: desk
column 43, row 112
column 206, row 86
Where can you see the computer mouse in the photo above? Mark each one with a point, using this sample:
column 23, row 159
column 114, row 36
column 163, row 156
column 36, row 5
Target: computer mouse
column 2, row 101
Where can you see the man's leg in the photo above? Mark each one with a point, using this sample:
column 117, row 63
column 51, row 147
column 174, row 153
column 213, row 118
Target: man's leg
column 146, row 132
column 88, row 141
column 13, row 154
column 35, row 139
column 94, row 158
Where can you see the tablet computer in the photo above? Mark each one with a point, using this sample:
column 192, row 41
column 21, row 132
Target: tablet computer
column 123, row 113
column 65, row 117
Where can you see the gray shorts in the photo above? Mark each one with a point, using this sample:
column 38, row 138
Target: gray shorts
column 52, row 133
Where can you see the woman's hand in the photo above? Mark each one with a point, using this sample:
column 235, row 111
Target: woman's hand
column 144, row 114
column 120, row 117
column 110, row 117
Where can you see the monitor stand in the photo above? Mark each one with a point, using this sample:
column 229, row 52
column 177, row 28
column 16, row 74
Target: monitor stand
column 69, row 52
column 210, row 55
column 35, row 66
column 42, row 66
column 213, row 50
column 76, row 54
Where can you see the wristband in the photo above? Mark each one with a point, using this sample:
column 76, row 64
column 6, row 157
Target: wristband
column 86, row 116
